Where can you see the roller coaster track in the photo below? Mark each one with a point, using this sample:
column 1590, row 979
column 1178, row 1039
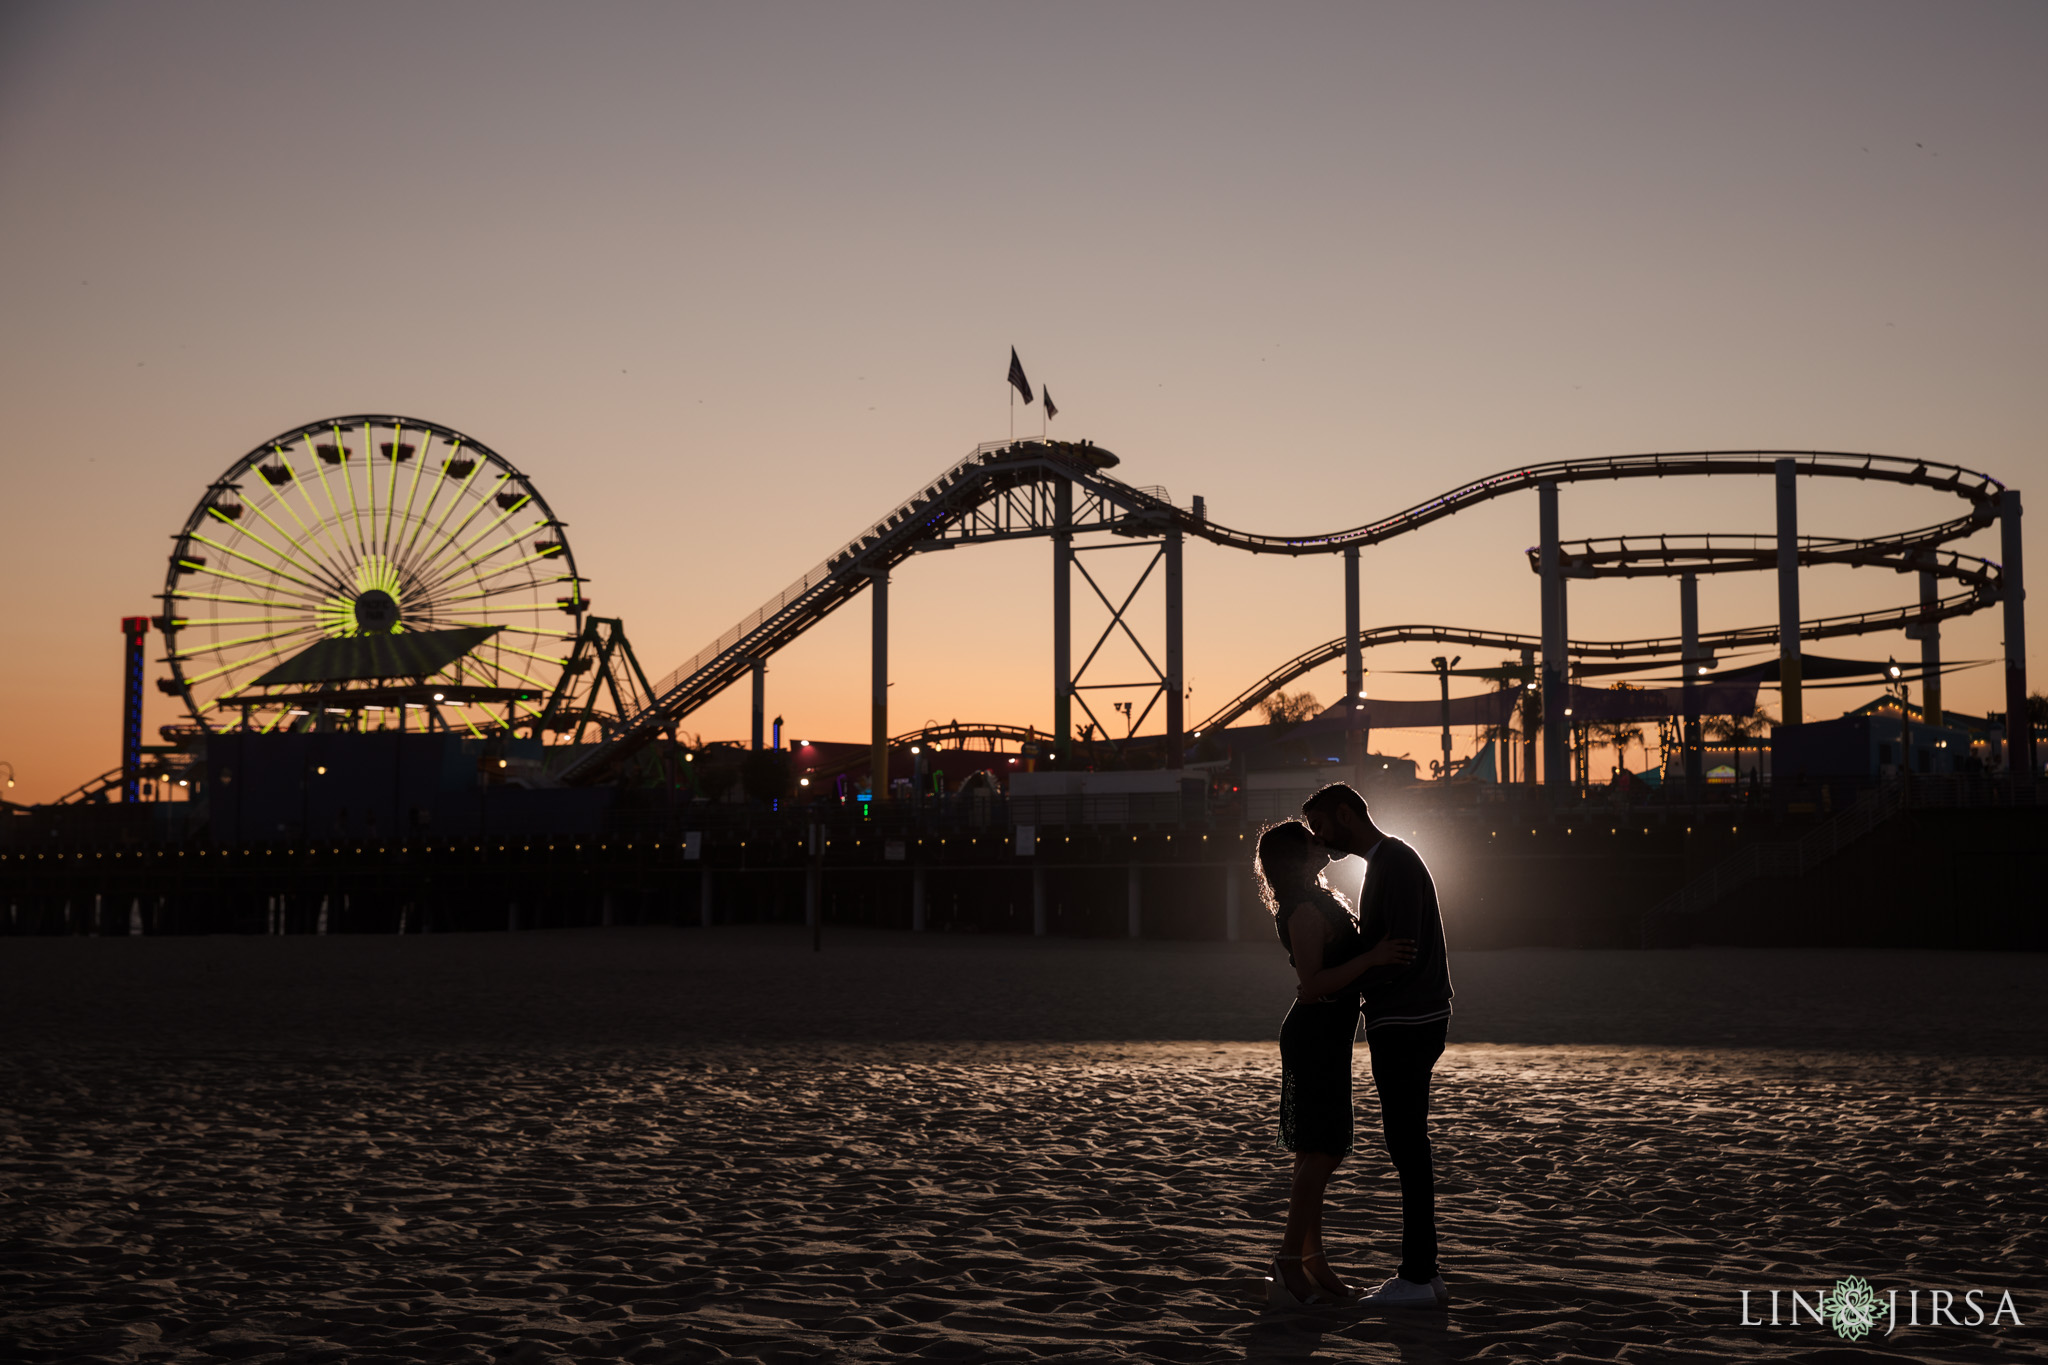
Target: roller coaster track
column 1000, row 491
column 1746, row 637
column 94, row 789
column 1637, row 556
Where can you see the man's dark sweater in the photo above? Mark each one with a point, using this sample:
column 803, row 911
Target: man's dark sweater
column 1399, row 901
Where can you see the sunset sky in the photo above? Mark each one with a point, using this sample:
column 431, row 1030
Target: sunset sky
column 729, row 281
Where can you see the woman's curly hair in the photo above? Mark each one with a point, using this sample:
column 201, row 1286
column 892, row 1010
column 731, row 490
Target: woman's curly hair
column 1285, row 850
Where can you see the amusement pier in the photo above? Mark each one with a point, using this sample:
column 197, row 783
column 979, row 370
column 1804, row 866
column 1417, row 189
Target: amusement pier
column 403, row 714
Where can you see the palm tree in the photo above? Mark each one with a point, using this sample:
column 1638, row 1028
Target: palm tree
column 1752, row 725
column 1618, row 734
column 1745, row 731
column 1289, row 708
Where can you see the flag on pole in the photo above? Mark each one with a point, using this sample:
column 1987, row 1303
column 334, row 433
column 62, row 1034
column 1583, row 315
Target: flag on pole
column 1017, row 375
column 1050, row 411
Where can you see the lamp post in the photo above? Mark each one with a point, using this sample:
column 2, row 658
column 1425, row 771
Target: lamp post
column 1443, row 669
column 1896, row 689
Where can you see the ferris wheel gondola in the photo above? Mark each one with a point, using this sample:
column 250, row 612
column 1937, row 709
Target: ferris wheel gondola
column 369, row 526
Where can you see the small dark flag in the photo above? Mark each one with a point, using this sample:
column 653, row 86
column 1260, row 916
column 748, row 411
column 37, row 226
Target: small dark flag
column 1050, row 411
column 1017, row 375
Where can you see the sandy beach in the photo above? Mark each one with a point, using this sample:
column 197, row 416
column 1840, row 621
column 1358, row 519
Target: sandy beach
column 664, row 1145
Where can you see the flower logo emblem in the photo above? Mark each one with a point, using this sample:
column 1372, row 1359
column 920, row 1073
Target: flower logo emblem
column 1851, row 1309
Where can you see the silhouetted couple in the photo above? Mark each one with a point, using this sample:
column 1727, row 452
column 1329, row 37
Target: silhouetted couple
column 1388, row 963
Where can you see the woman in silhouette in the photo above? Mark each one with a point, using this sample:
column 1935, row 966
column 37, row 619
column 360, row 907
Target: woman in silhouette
column 1323, row 945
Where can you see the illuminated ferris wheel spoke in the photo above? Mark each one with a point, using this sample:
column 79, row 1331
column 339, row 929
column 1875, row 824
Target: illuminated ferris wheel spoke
column 239, row 663
column 367, row 466
column 218, row 597
column 452, row 545
column 529, row 654
column 493, row 525
column 237, row 643
column 337, row 519
column 182, row 622
column 317, row 527
column 274, row 570
column 395, row 456
column 419, row 465
column 453, row 534
column 502, row 667
column 481, row 593
column 348, row 481
column 521, row 606
column 512, row 542
column 393, row 453
column 258, row 508
column 465, row 573
column 419, row 558
column 480, row 577
column 434, row 493
column 333, row 518
column 554, row 635
column 223, row 573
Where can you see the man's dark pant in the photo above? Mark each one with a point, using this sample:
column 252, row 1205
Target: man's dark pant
column 1402, row 1057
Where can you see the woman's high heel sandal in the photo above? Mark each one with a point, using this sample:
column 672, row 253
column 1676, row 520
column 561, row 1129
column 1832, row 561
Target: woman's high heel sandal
column 1349, row 1294
column 1280, row 1296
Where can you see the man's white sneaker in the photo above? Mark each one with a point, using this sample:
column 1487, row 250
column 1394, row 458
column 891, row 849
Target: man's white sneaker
column 1400, row 1293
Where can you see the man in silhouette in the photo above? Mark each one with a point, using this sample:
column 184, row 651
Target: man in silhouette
column 1407, row 1011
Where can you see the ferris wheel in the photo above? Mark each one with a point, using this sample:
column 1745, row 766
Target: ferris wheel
column 361, row 527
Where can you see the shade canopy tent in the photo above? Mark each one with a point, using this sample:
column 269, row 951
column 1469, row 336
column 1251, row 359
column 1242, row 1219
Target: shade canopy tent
column 1497, row 708
column 1655, row 703
column 372, row 658
column 1487, row 708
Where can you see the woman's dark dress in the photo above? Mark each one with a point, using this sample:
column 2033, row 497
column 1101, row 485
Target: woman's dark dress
column 1315, row 1047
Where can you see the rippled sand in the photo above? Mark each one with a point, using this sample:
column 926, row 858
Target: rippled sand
column 494, row 1148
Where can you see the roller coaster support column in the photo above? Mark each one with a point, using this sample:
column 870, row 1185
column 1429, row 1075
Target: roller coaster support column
column 760, row 671
column 1556, row 744
column 1930, row 649
column 2019, row 729
column 133, row 629
column 1062, row 621
column 1788, row 591
column 1689, row 668
column 1354, row 665
column 880, row 790
column 1176, row 682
